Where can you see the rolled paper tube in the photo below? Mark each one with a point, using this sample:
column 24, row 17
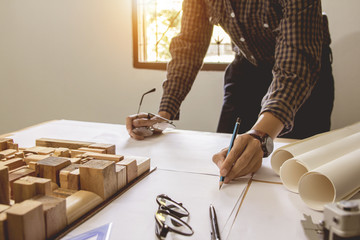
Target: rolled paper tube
column 292, row 150
column 293, row 169
column 335, row 181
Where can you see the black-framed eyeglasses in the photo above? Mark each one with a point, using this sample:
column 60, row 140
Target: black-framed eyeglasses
column 168, row 218
column 159, row 126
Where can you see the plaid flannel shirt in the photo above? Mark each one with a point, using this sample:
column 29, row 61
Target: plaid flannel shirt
column 288, row 34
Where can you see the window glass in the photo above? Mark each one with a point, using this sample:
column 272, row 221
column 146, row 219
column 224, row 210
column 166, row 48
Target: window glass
column 157, row 22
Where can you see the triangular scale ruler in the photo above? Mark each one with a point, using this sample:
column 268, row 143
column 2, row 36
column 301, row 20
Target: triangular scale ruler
column 100, row 233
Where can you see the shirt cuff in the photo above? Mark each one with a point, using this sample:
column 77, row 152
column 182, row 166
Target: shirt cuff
column 171, row 105
column 280, row 111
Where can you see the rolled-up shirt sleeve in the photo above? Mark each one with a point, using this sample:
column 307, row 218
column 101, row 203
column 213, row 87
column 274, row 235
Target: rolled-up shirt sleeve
column 297, row 60
column 187, row 50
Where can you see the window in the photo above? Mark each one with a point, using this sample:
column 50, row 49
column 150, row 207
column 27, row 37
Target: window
column 156, row 22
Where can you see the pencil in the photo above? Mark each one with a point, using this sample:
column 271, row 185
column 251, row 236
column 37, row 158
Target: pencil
column 235, row 132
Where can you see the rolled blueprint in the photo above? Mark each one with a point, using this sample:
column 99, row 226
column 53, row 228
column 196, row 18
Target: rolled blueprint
column 293, row 169
column 332, row 182
column 292, row 150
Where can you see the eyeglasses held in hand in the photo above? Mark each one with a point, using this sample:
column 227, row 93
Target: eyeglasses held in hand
column 168, row 218
column 142, row 97
column 157, row 127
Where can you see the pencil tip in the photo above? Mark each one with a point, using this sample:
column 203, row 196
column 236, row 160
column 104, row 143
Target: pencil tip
column 220, row 185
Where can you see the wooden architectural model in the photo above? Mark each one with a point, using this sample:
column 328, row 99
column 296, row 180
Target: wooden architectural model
column 46, row 188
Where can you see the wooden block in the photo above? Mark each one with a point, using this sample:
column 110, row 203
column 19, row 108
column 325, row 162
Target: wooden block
column 6, row 153
column 131, row 168
column 102, row 156
column 75, row 160
column 10, row 157
column 43, row 185
column 143, row 164
column 3, row 207
column 85, row 160
column 3, row 222
column 51, row 166
column 26, row 220
column 4, row 185
column 33, row 150
column 11, row 145
column 74, row 180
column 13, row 163
column 20, row 154
column 39, row 150
column 62, row 192
column 64, row 175
column 110, row 148
column 34, row 158
column 120, row 176
column 54, row 213
column 56, row 143
column 96, row 150
column 28, row 187
column 3, row 227
column 80, row 203
column 35, row 166
column 61, row 152
column 54, row 186
column 70, row 177
column 76, row 153
column 99, row 176
column 3, row 144
column 20, row 173
column 23, row 190
column 17, row 169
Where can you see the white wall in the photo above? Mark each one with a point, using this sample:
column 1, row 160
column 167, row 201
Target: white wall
column 344, row 21
column 73, row 60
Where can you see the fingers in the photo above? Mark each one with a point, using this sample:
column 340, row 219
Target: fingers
column 144, row 122
column 137, row 137
column 138, row 125
column 245, row 164
column 236, row 151
column 130, row 119
column 245, row 157
column 219, row 157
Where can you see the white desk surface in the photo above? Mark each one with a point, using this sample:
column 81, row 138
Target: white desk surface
column 186, row 173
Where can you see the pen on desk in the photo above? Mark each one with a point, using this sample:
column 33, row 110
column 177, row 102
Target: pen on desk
column 215, row 234
column 235, row 132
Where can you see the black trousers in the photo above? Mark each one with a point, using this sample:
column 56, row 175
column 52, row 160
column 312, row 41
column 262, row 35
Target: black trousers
column 245, row 85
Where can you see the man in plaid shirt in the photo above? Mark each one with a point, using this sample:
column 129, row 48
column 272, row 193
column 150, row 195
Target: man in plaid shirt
column 282, row 68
